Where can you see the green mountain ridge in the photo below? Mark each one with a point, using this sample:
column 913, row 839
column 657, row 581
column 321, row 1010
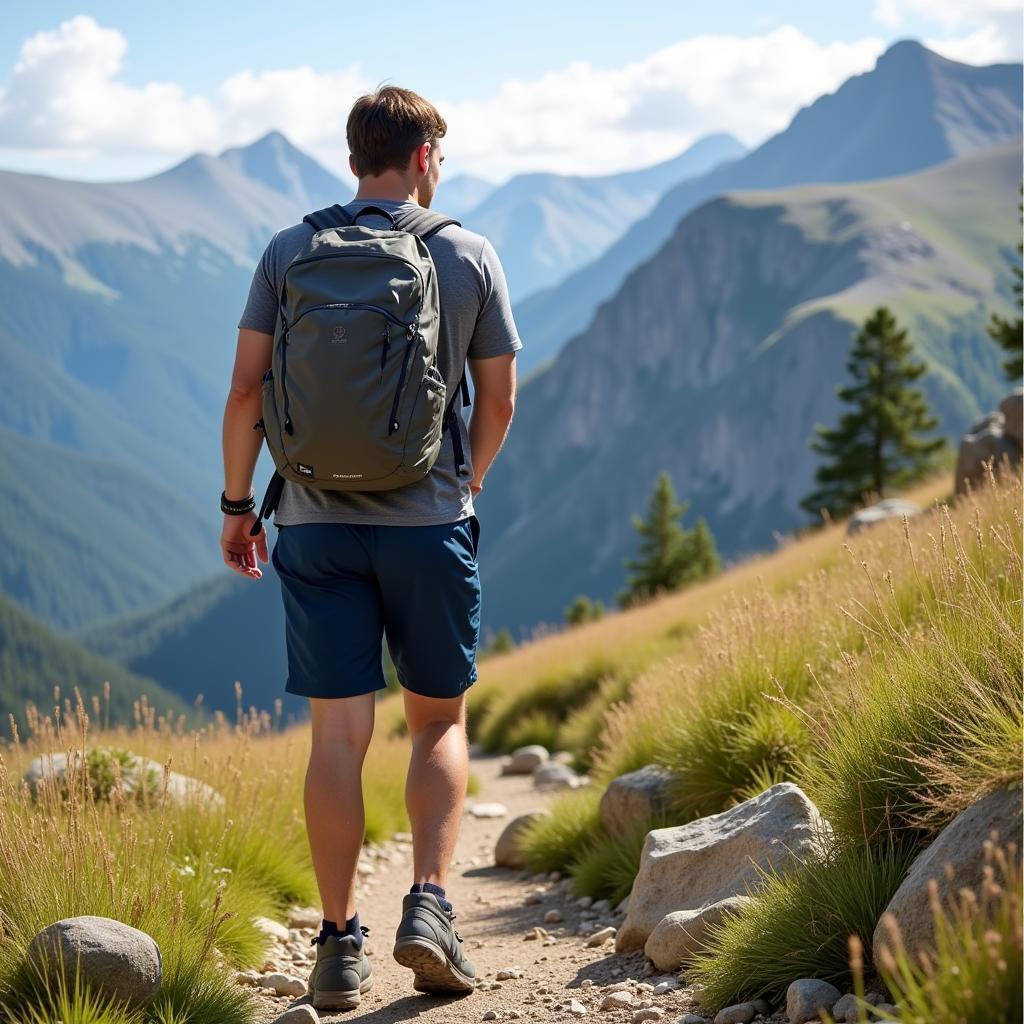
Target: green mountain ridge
column 34, row 659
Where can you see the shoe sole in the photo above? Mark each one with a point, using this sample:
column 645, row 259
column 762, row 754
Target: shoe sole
column 341, row 1000
column 433, row 970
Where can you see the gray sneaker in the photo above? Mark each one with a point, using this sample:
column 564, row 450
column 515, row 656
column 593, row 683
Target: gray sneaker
column 341, row 973
column 428, row 944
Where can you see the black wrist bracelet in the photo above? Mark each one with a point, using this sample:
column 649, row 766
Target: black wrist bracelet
column 237, row 508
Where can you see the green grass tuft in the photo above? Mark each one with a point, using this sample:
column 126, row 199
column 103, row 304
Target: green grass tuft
column 798, row 926
column 552, row 842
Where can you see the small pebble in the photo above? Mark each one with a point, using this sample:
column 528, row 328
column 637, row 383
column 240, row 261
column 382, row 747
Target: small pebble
column 553, row 916
column 601, row 937
column 617, row 1001
column 586, row 983
column 584, row 902
column 283, row 984
column 576, row 1008
column 535, row 897
column 304, row 1014
column 507, row 973
column 490, row 1015
column 739, row 1013
column 692, row 1018
column 646, row 1013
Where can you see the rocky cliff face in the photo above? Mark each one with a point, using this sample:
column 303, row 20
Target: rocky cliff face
column 716, row 359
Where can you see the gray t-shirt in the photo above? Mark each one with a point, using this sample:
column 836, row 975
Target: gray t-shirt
column 476, row 322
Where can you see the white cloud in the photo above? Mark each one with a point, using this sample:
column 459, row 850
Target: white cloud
column 983, row 46
column 583, row 119
column 976, row 31
column 66, row 95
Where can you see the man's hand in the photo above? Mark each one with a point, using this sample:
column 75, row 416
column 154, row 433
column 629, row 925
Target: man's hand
column 239, row 549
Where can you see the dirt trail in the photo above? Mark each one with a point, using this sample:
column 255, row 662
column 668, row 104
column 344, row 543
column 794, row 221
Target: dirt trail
column 493, row 916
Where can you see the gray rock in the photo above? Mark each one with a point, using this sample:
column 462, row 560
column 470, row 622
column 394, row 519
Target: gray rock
column 762, row 1006
column 985, row 440
column 283, row 984
column 304, row 1014
column 1012, row 408
column 632, row 800
column 958, row 845
column 525, row 759
column 554, row 775
column 115, row 960
column 889, row 508
column 506, row 850
column 601, row 937
column 679, row 936
column 697, row 865
column 51, row 770
column 806, row 998
column 576, row 1008
column 846, row 1009
column 617, row 1000
column 740, row 1013
column 491, row 810
column 647, row 1013
column 692, row 1018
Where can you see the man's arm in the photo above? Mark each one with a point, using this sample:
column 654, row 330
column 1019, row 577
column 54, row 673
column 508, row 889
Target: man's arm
column 494, row 399
column 242, row 447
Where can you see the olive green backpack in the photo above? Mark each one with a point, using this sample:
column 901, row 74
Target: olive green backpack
column 354, row 399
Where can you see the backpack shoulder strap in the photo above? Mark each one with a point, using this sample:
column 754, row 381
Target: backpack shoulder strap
column 329, row 217
column 423, row 223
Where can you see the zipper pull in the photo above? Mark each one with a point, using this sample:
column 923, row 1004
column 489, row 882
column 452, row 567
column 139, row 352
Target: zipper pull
column 384, row 351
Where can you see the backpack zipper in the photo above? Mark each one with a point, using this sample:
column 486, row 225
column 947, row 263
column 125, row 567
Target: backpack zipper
column 413, row 342
column 352, row 305
column 362, row 253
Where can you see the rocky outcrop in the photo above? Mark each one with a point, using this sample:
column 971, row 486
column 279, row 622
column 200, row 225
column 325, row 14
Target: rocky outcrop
column 507, row 853
column 115, row 960
column 699, row 865
column 995, row 437
column 956, row 861
column 137, row 774
column 889, row 508
column 635, row 799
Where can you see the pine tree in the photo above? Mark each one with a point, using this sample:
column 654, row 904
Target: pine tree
column 669, row 555
column 877, row 444
column 1009, row 334
column 583, row 609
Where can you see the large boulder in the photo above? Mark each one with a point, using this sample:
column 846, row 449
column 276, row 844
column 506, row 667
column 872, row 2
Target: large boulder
column 986, row 440
column 712, row 859
column 634, row 800
column 113, row 959
column 889, row 508
column 524, row 760
column 1012, row 408
column 137, row 774
column 679, row 936
column 956, row 861
column 507, row 853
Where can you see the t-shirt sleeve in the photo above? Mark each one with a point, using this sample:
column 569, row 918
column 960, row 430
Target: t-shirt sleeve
column 260, row 313
column 495, row 333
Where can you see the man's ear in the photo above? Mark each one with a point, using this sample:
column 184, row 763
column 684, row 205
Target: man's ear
column 352, row 165
column 423, row 158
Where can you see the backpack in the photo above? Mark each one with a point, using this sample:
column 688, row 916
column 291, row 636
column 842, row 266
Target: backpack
column 353, row 399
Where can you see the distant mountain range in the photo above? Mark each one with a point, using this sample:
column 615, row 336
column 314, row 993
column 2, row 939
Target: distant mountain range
column 915, row 109
column 706, row 339
column 716, row 358
column 544, row 226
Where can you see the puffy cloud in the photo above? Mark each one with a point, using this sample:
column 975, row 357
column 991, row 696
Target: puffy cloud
column 977, row 31
column 985, row 45
column 583, row 119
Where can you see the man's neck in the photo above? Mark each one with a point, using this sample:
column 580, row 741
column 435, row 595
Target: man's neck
column 376, row 192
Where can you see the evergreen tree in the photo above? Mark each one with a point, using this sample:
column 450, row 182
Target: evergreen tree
column 1009, row 334
column 583, row 609
column 502, row 642
column 669, row 556
column 876, row 445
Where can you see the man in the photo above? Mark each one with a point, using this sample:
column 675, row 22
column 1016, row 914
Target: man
column 355, row 565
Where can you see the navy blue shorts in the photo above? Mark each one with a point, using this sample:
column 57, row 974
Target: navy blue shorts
column 345, row 586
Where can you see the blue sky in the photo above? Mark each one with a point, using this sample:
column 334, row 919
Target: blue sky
column 115, row 90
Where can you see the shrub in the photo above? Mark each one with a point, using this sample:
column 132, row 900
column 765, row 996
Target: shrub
column 798, row 925
column 552, row 842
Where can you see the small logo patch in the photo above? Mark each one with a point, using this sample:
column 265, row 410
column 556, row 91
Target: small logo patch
column 338, row 335
column 346, row 476
column 304, row 469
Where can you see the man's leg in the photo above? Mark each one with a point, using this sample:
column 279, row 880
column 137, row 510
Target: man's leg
column 333, row 795
column 436, row 785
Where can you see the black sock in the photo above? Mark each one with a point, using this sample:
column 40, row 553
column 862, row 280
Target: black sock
column 434, row 890
column 329, row 928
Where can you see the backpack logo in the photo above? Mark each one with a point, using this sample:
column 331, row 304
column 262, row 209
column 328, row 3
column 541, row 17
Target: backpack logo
column 339, row 335
column 304, row 469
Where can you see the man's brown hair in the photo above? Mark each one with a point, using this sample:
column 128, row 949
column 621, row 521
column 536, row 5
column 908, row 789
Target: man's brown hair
column 385, row 126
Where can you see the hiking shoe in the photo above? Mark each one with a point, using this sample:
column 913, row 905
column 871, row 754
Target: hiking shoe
column 428, row 944
column 341, row 973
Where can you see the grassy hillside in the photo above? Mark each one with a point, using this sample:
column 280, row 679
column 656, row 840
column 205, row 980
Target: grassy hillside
column 36, row 663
